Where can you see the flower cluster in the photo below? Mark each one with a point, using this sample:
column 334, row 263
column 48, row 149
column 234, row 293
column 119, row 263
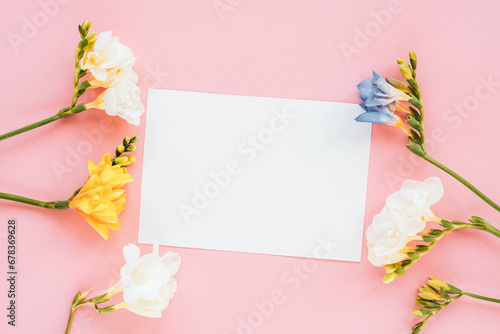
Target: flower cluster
column 102, row 198
column 407, row 212
column 111, row 66
column 380, row 99
column 147, row 283
column 433, row 297
column 403, row 217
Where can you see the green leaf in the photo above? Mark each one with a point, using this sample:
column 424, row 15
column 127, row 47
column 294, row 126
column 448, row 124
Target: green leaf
column 428, row 238
column 445, row 294
column 417, row 150
column 83, row 86
column 413, row 255
column 415, row 113
column 82, row 73
column 478, row 221
column 416, row 329
column 427, row 303
column 415, row 102
column 413, row 84
column 447, row 224
column 422, row 248
column 435, row 232
column 414, row 123
column 83, row 31
column 79, row 108
column 400, row 271
column 415, row 137
column 75, row 301
column 80, row 54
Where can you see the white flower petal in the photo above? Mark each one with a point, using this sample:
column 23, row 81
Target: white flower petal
column 434, row 189
column 148, row 281
column 131, row 253
column 172, row 262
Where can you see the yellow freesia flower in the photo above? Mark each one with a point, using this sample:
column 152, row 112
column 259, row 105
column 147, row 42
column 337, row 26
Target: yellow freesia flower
column 101, row 199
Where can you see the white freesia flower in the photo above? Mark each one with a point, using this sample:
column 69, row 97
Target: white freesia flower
column 108, row 53
column 387, row 237
column 147, row 282
column 415, row 198
column 115, row 75
column 123, row 100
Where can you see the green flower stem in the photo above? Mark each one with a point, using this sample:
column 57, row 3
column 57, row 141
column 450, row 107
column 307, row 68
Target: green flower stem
column 72, row 311
column 25, row 200
column 60, row 114
column 70, row 320
column 391, row 272
column 493, row 300
column 77, row 302
column 462, row 180
column 33, row 126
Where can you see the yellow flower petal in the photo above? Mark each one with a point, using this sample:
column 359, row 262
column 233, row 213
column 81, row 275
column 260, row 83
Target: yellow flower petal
column 101, row 199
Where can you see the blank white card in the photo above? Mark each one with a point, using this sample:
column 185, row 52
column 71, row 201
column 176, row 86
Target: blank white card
column 254, row 174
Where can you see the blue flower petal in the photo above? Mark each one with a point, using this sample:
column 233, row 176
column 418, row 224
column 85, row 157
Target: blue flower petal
column 377, row 117
column 365, row 87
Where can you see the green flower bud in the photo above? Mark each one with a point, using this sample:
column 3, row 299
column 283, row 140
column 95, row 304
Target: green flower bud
column 413, row 60
column 106, row 309
column 428, row 238
column 478, row 220
column 423, row 313
column 86, row 25
column 422, row 248
column 120, row 149
column 446, row 224
column 417, row 150
column 428, row 293
column 406, row 72
column 414, row 123
column 122, row 161
column 437, row 284
column 126, row 141
column 435, row 232
column 413, row 255
column 427, row 303
column 91, row 38
column 415, row 102
column 398, row 84
column 130, row 148
column 390, row 277
column 134, row 139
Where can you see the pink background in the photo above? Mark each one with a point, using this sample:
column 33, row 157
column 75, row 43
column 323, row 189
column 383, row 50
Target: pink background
column 289, row 49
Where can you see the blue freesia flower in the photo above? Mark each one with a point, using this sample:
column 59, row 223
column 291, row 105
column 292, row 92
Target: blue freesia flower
column 380, row 100
column 378, row 92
